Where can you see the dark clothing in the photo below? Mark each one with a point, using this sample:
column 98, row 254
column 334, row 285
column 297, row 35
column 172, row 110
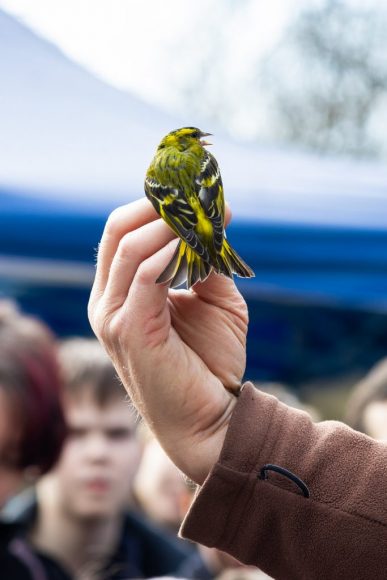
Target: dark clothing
column 18, row 560
column 339, row 532
column 143, row 552
column 194, row 569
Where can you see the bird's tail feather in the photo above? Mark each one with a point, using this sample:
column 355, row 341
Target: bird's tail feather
column 231, row 263
column 185, row 265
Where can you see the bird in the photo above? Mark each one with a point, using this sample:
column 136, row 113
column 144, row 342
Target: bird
column 184, row 185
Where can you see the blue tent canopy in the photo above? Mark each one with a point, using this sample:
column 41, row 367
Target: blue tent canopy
column 317, row 305
column 342, row 266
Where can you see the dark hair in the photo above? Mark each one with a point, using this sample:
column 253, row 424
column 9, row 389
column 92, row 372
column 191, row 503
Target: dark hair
column 30, row 378
column 372, row 388
column 87, row 368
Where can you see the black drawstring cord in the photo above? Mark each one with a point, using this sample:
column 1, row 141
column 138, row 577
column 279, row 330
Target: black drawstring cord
column 270, row 467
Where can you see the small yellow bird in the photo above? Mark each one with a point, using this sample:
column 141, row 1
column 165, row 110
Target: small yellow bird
column 184, row 185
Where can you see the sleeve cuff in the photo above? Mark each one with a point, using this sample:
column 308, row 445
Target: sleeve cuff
column 221, row 503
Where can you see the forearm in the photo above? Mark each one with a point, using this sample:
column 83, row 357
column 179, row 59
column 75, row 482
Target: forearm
column 337, row 532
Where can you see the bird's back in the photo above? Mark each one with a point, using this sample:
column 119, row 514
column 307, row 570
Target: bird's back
column 177, row 169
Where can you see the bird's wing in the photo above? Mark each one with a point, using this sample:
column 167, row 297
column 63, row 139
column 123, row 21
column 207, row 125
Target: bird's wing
column 211, row 196
column 174, row 208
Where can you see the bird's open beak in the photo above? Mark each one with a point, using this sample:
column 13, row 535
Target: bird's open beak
column 205, row 135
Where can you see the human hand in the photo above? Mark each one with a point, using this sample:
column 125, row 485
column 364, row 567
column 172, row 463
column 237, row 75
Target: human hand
column 174, row 350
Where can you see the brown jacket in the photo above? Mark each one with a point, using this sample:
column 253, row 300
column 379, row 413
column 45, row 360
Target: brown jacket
column 339, row 532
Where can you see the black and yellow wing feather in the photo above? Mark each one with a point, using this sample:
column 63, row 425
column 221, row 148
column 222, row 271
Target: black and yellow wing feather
column 171, row 204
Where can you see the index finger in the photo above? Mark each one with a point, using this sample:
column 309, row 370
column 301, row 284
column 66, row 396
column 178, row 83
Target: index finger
column 121, row 221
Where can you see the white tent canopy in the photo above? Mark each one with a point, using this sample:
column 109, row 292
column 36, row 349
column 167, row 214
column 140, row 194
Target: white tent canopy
column 66, row 134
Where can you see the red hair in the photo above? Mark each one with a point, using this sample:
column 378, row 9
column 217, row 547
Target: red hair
column 29, row 375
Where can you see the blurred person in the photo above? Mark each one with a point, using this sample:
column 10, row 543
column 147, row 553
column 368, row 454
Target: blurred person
column 209, row 563
column 165, row 496
column 296, row 498
column 159, row 487
column 284, row 394
column 81, row 517
column 246, row 573
column 366, row 408
column 32, row 429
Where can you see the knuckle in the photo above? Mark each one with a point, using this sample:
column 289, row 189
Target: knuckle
column 99, row 320
column 116, row 328
column 93, row 308
column 100, row 326
column 114, row 220
column 127, row 245
column 145, row 273
column 90, row 312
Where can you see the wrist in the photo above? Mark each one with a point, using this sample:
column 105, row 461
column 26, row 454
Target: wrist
column 204, row 452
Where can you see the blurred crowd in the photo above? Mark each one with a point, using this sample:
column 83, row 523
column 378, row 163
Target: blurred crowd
column 86, row 492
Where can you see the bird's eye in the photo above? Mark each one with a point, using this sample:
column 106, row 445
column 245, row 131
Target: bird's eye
column 195, row 134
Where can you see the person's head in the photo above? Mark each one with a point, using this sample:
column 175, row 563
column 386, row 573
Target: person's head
column 367, row 405
column 32, row 426
column 93, row 478
column 159, row 486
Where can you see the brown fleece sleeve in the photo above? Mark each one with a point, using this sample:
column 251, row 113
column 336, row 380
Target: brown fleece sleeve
column 339, row 532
